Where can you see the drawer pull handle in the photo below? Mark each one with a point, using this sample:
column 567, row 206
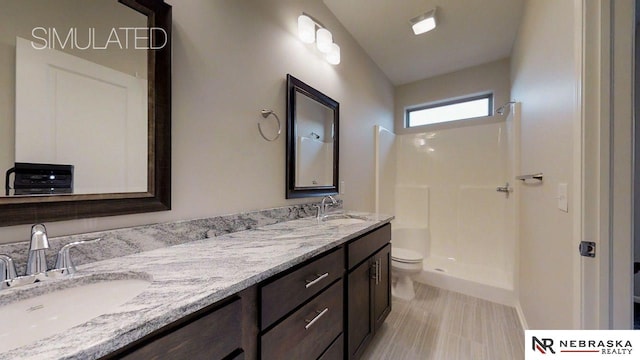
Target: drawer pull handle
column 310, row 322
column 310, row 283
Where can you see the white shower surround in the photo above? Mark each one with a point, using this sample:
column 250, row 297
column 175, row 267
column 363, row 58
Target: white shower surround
column 446, row 206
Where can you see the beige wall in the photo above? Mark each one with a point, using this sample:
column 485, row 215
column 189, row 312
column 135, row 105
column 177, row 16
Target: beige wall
column 489, row 77
column 544, row 78
column 230, row 60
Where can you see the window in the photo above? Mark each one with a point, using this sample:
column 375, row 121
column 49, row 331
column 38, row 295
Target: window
column 445, row 111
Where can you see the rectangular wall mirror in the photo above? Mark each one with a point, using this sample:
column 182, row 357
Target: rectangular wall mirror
column 85, row 109
column 312, row 141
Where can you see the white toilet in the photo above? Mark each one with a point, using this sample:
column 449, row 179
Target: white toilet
column 405, row 264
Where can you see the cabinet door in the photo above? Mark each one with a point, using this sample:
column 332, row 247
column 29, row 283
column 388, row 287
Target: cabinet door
column 382, row 286
column 360, row 326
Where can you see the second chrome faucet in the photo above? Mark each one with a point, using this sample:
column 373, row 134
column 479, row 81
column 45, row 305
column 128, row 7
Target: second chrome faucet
column 322, row 208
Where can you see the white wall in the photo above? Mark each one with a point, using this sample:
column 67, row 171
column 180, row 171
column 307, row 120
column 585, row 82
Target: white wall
column 230, row 60
column 544, row 79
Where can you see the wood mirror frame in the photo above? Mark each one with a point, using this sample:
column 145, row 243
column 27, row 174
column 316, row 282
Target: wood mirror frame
column 292, row 191
column 35, row 209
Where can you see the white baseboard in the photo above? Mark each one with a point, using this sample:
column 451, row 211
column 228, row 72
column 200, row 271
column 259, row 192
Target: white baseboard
column 523, row 320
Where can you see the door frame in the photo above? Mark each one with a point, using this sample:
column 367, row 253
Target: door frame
column 606, row 294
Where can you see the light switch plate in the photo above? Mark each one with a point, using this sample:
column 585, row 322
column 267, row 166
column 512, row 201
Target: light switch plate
column 563, row 199
column 342, row 187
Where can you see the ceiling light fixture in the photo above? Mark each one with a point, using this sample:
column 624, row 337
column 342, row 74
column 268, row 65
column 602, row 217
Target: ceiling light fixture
column 424, row 23
column 324, row 40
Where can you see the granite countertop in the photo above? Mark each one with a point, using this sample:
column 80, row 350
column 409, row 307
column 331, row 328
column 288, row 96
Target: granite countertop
column 184, row 278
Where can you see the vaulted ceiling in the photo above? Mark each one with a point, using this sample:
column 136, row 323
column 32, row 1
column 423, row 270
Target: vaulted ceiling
column 469, row 33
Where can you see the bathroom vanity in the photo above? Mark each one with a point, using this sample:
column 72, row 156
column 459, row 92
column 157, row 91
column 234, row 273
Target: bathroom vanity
column 301, row 289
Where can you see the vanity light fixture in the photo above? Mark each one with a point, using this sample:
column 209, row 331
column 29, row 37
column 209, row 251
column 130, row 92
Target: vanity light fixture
column 306, row 29
column 333, row 57
column 325, row 39
column 424, row 22
column 310, row 31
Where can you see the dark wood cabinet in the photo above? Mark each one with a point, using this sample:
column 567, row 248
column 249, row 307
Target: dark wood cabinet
column 381, row 286
column 309, row 331
column 286, row 292
column 302, row 310
column 368, row 288
column 312, row 311
column 359, row 309
column 212, row 333
column 335, row 351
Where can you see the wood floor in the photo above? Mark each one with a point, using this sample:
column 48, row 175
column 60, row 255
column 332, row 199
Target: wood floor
column 444, row 325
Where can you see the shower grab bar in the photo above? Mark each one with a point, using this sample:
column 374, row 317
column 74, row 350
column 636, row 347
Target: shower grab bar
column 524, row 178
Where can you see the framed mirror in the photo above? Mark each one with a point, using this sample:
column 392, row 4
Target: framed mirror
column 312, row 141
column 85, row 109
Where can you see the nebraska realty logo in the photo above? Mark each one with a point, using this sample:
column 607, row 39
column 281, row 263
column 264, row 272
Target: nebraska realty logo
column 580, row 344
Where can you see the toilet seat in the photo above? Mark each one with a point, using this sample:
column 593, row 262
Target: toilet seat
column 405, row 256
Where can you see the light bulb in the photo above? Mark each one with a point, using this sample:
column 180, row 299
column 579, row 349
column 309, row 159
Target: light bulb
column 306, row 29
column 333, row 57
column 324, row 40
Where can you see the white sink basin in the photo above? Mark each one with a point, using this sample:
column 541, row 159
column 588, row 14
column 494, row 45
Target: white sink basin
column 348, row 221
column 343, row 219
column 28, row 320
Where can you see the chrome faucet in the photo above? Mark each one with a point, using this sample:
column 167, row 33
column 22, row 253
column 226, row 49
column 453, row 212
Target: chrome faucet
column 37, row 262
column 7, row 269
column 322, row 209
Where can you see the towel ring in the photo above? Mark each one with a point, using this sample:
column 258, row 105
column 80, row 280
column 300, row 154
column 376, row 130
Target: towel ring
column 265, row 114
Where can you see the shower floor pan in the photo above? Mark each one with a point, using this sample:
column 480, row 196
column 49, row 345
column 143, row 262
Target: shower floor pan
column 479, row 281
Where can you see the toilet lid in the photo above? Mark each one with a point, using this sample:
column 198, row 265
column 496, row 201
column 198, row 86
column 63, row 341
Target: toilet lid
column 405, row 255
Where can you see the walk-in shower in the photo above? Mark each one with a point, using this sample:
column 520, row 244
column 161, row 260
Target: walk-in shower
column 442, row 186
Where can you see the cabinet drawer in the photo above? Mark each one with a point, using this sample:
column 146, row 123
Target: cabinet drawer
column 214, row 335
column 286, row 293
column 363, row 247
column 335, row 351
column 306, row 333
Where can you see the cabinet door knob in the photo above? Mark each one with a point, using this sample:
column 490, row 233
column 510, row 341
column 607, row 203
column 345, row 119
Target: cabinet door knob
column 319, row 277
column 312, row 321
